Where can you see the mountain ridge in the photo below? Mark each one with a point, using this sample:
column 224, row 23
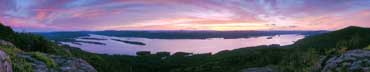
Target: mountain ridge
column 349, row 35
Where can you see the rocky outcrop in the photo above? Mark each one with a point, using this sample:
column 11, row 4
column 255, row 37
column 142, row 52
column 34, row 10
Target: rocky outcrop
column 73, row 64
column 351, row 61
column 5, row 43
column 64, row 64
column 5, row 65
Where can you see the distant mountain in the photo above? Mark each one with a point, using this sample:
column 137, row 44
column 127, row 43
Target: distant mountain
column 68, row 36
column 350, row 37
column 63, row 36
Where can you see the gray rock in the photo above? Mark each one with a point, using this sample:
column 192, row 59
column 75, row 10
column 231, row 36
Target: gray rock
column 70, row 64
column 5, row 43
column 351, row 61
column 65, row 64
column 38, row 66
column 5, row 65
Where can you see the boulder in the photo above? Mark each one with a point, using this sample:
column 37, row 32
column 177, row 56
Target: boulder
column 64, row 64
column 351, row 61
column 71, row 64
column 5, row 64
column 5, row 43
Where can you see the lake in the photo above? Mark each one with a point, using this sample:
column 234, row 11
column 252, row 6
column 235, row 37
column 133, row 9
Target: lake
column 210, row 45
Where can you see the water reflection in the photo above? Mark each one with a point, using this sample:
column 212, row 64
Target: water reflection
column 179, row 45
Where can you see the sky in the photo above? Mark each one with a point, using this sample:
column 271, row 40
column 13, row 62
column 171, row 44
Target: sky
column 223, row 15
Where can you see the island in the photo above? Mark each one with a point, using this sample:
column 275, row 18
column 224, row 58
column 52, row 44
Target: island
column 130, row 42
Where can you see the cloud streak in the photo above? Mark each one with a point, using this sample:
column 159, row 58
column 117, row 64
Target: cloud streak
column 66, row 15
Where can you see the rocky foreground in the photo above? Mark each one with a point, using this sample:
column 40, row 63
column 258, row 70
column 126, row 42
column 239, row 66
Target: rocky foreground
column 350, row 61
column 65, row 64
column 5, row 64
column 42, row 62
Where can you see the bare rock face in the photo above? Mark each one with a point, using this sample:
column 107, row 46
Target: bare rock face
column 64, row 64
column 5, row 65
column 5, row 43
column 351, row 61
column 70, row 64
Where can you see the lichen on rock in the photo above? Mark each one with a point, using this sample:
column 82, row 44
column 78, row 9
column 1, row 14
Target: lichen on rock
column 350, row 61
column 14, row 59
column 5, row 64
column 63, row 64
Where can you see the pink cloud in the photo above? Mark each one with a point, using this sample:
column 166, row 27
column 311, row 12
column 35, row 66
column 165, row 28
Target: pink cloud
column 176, row 14
column 41, row 15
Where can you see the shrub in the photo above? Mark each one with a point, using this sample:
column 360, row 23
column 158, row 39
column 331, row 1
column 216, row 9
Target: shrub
column 143, row 53
column 21, row 65
column 163, row 54
column 49, row 62
column 18, row 64
column 367, row 48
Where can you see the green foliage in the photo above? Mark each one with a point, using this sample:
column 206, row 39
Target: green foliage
column 163, row 54
column 42, row 57
column 31, row 42
column 143, row 53
column 367, row 48
column 21, row 65
column 5, row 32
column 300, row 61
column 10, row 50
column 18, row 64
column 288, row 60
column 350, row 37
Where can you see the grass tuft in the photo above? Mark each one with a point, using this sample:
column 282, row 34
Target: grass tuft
column 18, row 64
column 49, row 62
column 367, row 48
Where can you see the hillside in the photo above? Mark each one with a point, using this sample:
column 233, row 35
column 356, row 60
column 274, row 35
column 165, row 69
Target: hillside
column 351, row 37
column 31, row 53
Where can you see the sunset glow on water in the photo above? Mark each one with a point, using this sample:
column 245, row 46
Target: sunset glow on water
column 211, row 45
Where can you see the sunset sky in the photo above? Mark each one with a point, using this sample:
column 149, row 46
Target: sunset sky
column 76, row 15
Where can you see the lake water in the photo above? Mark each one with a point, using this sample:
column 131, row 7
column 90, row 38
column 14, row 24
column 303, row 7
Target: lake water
column 212, row 45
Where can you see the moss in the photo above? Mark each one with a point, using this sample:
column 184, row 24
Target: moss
column 21, row 65
column 367, row 48
column 12, row 51
column 49, row 62
column 61, row 51
column 342, row 50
